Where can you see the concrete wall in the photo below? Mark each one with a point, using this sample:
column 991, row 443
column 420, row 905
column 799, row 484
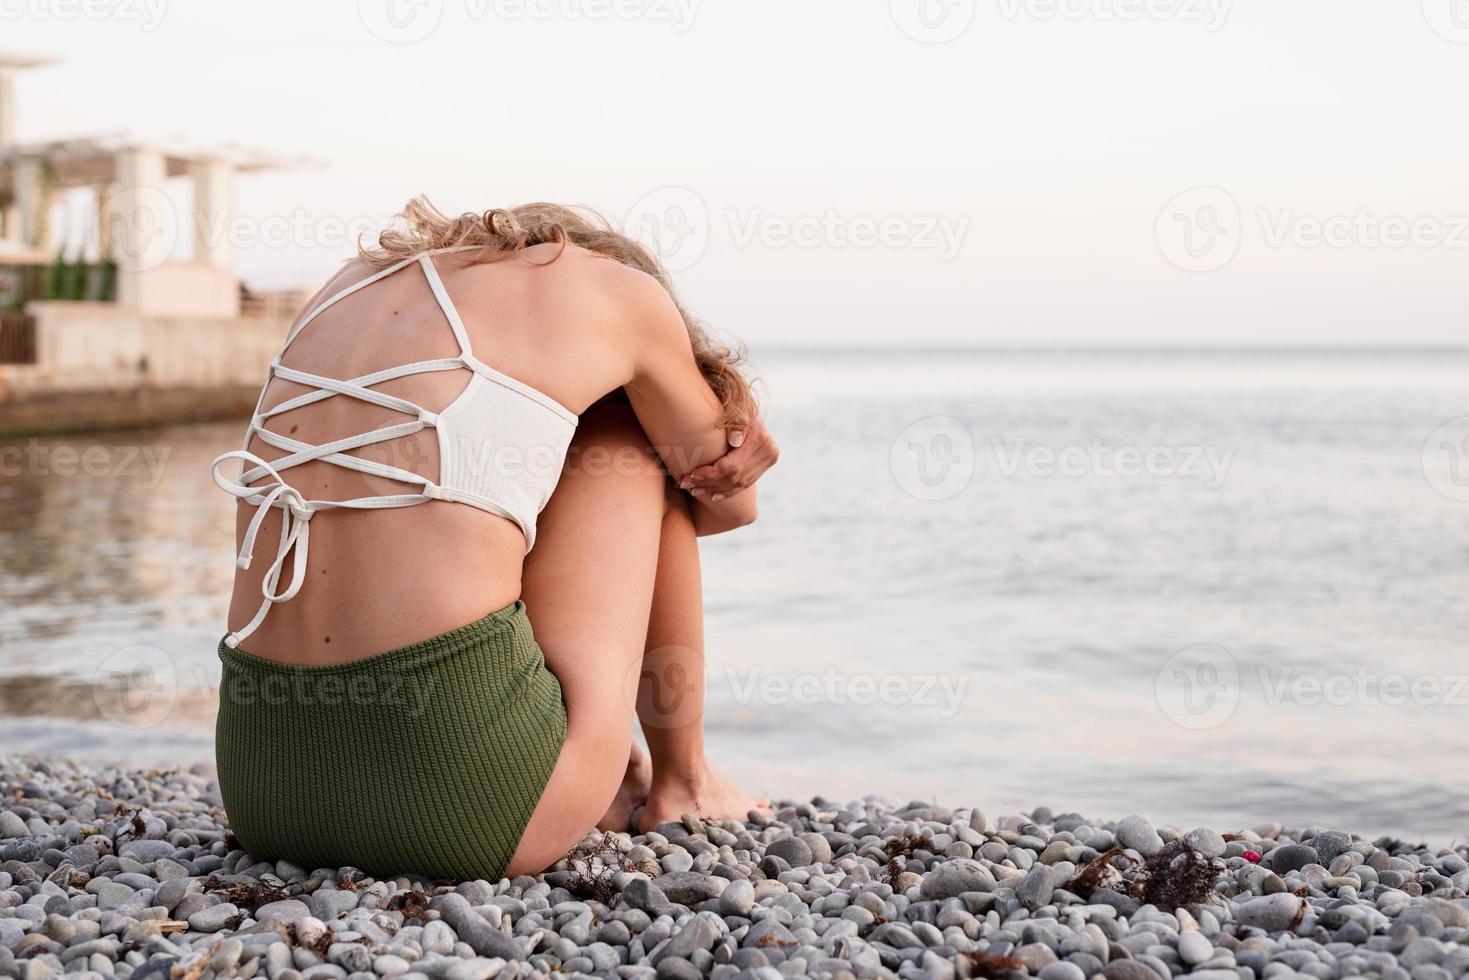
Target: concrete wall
column 100, row 364
column 188, row 289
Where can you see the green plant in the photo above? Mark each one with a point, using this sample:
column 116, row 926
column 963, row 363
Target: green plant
column 74, row 280
column 55, row 283
column 107, row 281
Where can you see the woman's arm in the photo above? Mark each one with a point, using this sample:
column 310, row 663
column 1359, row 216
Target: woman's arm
column 675, row 405
column 752, row 452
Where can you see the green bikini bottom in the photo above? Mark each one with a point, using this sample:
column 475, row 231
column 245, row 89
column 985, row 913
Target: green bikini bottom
column 425, row 760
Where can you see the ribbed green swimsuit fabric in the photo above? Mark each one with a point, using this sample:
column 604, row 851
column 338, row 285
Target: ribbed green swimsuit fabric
column 425, row 760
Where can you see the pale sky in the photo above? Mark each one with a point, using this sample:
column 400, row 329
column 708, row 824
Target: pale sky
column 913, row 171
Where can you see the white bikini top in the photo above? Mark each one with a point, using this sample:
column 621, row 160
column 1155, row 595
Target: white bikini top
column 502, row 444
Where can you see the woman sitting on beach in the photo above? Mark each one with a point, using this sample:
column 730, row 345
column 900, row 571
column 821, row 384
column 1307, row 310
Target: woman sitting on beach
column 396, row 474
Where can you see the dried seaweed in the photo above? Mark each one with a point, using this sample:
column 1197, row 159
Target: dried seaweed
column 247, row 894
column 1176, row 877
column 598, row 884
column 412, row 903
column 1097, row 874
column 895, row 848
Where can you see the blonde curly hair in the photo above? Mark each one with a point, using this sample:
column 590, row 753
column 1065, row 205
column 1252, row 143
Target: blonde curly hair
column 420, row 226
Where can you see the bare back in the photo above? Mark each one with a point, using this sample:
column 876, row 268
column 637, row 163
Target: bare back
column 380, row 579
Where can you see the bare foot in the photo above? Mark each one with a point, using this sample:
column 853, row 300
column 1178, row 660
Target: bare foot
column 712, row 796
column 632, row 792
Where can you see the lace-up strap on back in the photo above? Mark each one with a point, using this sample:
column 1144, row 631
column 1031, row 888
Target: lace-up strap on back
column 517, row 496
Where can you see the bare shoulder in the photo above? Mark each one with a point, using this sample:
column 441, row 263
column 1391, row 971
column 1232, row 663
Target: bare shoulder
column 594, row 269
column 619, row 293
column 349, row 272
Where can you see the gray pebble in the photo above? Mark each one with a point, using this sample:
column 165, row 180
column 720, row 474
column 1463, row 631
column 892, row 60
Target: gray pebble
column 1061, row 970
column 214, row 918
column 792, row 850
column 85, row 893
column 953, row 878
column 738, row 898
column 1272, row 913
column 1292, row 857
column 1137, row 832
column 1207, row 842
column 1036, row 887
column 472, row 928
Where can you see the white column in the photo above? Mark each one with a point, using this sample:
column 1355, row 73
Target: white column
column 9, row 216
column 144, row 226
column 106, row 220
column 213, row 188
column 32, row 202
column 7, row 105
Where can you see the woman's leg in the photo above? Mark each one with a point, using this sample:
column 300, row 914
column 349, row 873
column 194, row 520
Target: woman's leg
column 671, row 684
column 588, row 588
column 614, row 574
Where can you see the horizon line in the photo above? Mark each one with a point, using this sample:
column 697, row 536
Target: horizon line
column 941, row 348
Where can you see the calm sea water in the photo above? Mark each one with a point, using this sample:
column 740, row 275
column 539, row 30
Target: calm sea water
column 1226, row 588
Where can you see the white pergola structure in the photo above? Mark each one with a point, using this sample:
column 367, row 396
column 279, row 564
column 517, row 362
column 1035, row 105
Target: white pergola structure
column 138, row 225
column 10, row 65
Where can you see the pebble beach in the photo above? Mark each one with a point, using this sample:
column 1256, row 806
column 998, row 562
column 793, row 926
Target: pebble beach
column 109, row 872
